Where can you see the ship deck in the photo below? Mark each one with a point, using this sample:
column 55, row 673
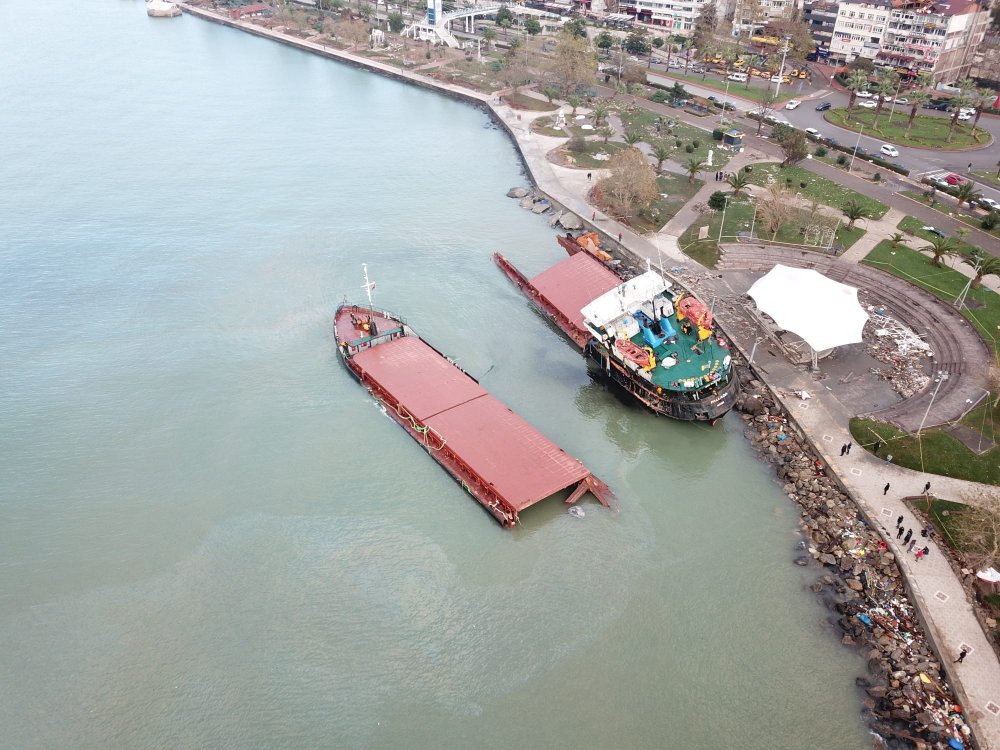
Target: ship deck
column 690, row 366
column 485, row 444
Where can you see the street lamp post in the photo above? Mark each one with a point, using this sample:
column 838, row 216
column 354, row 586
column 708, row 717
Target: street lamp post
column 722, row 224
column 894, row 98
column 725, row 103
column 781, row 70
column 856, row 145
column 941, row 377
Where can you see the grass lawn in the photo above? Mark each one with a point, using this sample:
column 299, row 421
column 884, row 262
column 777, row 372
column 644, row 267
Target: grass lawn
column 637, row 120
column 983, row 305
column 817, row 188
column 586, row 159
column 678, row 191
column 947, row 209
column 755, row 92
column 915, row 226
column 522, row 101
column 946, row 516
column 942, row 454
column 990, row 178
column 544, row 126
column 928, row 132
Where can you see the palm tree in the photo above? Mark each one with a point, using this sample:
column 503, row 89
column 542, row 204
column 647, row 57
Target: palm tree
column 606, row 132
column 632, row 137
column 661, row 153
column 600, row 111
column 574, row 101
column 959, row 101
column 738, row 181
column 941, row 247
column 489, row 34
column 686, row 49
column 854, row 210
column 856, row 81
column 896, row 239
column 693, row 167
column 981, row 99
column 917, row 99
column 966, row 193
column 887, row 83
column 984, row 265
column 752, row 62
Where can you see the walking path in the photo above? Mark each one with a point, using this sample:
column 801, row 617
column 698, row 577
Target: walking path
column 936, row 591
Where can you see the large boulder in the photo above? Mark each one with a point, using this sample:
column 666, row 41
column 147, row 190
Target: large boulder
column 570, row 220
column 517, row 192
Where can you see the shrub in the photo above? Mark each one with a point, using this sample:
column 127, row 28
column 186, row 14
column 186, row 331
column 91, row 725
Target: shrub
column 659, row 97
column 689, row 148
column 803, row 184
column 678, row 143
column 877, row 177
column 842, row 160
column 717, row 200
column 695, row 143
column 990, row 221
column 788, row 181
column 821, row 151
column 716, row 135
column 577, row 145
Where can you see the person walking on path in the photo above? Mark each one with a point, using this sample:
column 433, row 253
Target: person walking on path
column 909, row 535
column 899, row 531
column 843, row 449
column 885, row 491
column 849, row 447
column 912, row 544
column 899, row 521
column 588, row 176
column 619, row 236
column 927, row 488
column 961, row 656
column 920, row 553
column 925, row 550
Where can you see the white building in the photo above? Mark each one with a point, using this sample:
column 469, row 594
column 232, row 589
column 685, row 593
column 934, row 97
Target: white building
column 752, row 16
column 859, row 29
column 676, row 16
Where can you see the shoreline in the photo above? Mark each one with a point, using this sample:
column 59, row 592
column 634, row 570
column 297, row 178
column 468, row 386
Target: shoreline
column 811, row 451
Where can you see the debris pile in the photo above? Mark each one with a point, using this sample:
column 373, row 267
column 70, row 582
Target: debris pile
column 903, row 351
column 908, row 699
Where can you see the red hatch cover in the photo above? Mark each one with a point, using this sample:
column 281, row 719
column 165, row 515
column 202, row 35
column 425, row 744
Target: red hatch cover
column 572, row 284
column 519, row 462
column 421, row 380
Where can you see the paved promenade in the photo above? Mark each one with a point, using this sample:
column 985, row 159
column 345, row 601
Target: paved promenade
column 948, row 616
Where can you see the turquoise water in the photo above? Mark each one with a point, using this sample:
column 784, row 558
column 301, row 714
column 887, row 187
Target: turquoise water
column 211, row 536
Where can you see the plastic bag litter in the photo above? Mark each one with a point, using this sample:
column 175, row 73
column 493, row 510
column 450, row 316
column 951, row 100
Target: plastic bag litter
column 578, row 512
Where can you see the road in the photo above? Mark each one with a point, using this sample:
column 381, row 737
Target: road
column 918, row 161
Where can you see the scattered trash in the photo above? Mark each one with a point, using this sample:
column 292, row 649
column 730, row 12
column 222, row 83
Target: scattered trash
column 577, row 511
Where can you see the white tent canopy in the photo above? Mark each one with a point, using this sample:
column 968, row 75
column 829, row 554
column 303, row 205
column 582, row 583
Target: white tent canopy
column 823, row 312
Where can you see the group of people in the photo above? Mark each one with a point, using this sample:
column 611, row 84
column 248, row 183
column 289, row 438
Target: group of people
column 721, row 176
column 911, row 541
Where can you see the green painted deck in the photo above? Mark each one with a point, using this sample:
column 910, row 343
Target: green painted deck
column 690, row 365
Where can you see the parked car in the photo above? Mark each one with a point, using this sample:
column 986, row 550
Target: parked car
column 775, row 79
column 989, row 204
column 675, row 63
column 738, row 77
column 902, row 100
column 889, row 150
column 939, row 106
column 940, row 183
column 865, row 95
column 967, row 111
column 823, row 106
column 813, row 133
column 935, row 231
column 955, row 179
column 867, row 104
column 963, row 116
column 792, row 104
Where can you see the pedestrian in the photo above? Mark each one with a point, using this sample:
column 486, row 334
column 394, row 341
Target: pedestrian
column 899, row 531
column 961, row 656
column 878, row 445
column 888, row 459
column 913, row 543
column 899, row 521
column 588, row 176
column 619, row 236
column 843, row 449
column 909, row 534
column 920, row 553
column 926, row 550
column 923, row 532
column 927, row 487
column 970, row 166
column 885, row 490
column 849, row 447
column 593, row 216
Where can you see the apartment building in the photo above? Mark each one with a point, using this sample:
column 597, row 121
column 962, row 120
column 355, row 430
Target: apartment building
column 859, row 29
column 940, row 39
column 752, row 16
column 676, row 16
column 821, row 17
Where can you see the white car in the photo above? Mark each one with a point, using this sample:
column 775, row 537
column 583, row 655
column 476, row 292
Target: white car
column 867, row 104
column 886, row 99
column 889, row 150
column 813, row 132
column 989, row 204
column 792, row 104
column 775, row 79
column 967, row 111
column 902, row 100
column 964, row 116
column 865, row 95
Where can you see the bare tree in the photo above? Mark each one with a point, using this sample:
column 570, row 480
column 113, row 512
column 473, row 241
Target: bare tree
column 631, row 186
column 977, row 527
column 775, row 207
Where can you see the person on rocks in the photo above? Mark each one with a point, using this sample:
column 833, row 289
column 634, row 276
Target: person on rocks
column 909, row 535
column 885, row 490
column 961, row 656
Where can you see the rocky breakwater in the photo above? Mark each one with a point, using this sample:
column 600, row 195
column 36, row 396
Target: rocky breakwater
column 908, row 700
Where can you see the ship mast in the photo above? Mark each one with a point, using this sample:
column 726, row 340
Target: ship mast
column 369, row 285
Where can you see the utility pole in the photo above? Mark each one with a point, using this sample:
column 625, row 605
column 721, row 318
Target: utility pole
column 856, row 145
column 960, row 299
column 781, row 70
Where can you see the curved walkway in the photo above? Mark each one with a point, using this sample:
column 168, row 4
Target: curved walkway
column 958, row 349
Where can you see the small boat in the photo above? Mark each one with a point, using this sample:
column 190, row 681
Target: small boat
column 500, row 459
